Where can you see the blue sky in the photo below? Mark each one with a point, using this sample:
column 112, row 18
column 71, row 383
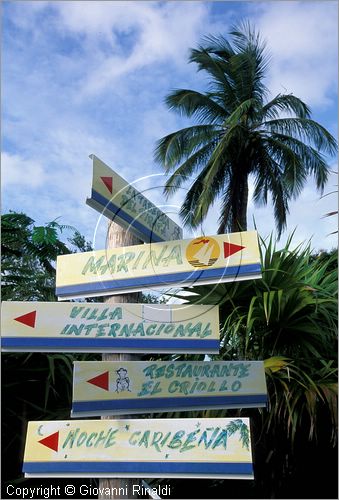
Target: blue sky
column 91, row 77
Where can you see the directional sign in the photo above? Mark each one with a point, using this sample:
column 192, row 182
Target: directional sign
column 89, row 327
column 204, row 448
column 118, row 200
column 126, row 387
column 198, row 261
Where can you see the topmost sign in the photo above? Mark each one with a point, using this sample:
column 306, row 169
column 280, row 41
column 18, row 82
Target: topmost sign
column 120, row 201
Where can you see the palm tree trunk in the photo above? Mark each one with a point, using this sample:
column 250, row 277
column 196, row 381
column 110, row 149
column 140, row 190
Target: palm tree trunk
column 240, row 212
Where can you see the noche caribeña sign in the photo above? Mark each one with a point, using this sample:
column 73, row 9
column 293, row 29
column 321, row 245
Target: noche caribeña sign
column 118, row 200
column 126, row 387
column 204, row 448
column 89, row 327
column 198, row 261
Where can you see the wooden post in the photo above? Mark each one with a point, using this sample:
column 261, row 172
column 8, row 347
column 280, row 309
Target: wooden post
column 119, row 237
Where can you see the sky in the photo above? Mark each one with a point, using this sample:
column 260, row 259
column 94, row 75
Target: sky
column 91, row 77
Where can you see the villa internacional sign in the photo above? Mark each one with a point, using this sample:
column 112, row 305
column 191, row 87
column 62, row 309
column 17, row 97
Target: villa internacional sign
column 198, row 261
column 127, row 387
column 118, row 200
column 203, row 448
column 94, row 327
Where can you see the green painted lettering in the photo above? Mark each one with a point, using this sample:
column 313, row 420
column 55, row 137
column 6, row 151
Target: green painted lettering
column 174, row 255
column 92, row 266
column 176, row 440
column 113, row 329
column 221, row 440
column 103, row 314
column 116, row 313
column 138, row 259
column 124, row 260
column 207, row 331
column 144, row 439
column 75, row 311
column 93, row 314
column 236, row 386
column 190, row 439
column 156, row 438
column 151, row 329
column 149, row 371
column 89, row 328
column 70, row 438
column 111, row 438
column 89, row 443
column 82, row 438
column 204, row 438
column 101, row 330
column 132, row 439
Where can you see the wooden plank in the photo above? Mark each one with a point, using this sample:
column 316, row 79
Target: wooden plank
column 130, row 387
column 198, row 261
column 118, row 200
column 90, row 327
column 204, row 448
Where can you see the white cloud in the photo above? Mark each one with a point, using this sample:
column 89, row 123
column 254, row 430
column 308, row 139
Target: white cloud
column 137, row 34
column 302, row 39
column 19, row 171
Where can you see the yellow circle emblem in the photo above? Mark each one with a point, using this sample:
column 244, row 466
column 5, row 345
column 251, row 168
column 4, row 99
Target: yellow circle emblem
column 202, row 252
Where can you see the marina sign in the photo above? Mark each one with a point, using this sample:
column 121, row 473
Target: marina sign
column 126, row 387
column 118, row 200
column 93, row 327
column 198, row 261
column 202, row 448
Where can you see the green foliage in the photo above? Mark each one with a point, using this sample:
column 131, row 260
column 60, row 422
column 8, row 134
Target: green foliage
column 239, row 134
column 28, row 256
column 36, row 386
column 289, row 319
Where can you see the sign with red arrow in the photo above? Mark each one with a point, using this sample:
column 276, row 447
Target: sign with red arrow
column 94, row 327
column 118, row 200
column 51, row 441
column 198, row 261
column 200, row 448
column 128, row 387
column 27, row 319
column 100, row 381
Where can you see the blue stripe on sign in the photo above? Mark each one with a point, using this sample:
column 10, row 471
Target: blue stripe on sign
column 119, row 212
column 140, row 467
column 169, row 344
column 163, row 279
column 168, row 403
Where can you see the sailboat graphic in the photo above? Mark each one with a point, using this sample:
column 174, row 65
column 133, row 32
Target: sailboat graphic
column 203, row 257
column 203, row 254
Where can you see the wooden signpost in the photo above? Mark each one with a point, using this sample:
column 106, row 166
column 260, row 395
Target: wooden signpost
column 203, row 448
column 132, row 448
column 118, row 200
column 127, row 387
column 198, row 261
column 118, row 327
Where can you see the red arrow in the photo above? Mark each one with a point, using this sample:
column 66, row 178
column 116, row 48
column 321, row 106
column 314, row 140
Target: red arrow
column 27, row 319
column 231, row 248
column 100, row 381
column 51, row 441
column 108, row 181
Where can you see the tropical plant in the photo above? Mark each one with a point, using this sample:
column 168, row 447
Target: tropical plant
column 35, row 386
column 240, row 135
column 28, row 256
column 289, row 319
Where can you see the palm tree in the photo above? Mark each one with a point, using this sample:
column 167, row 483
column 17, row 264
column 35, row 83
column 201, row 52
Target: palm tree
column 240, row 134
